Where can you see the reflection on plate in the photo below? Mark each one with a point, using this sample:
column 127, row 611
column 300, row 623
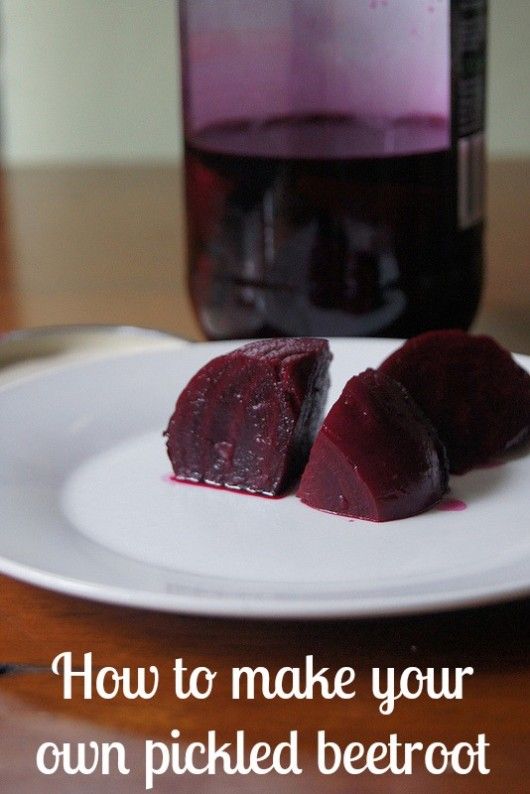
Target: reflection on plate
column 88, row 509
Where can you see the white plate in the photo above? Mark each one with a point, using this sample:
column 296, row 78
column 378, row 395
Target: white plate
column 87, row 509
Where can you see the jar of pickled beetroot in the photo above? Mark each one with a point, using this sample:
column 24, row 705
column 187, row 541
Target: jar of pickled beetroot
column 334, row 164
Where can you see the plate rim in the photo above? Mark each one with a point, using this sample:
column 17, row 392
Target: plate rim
column 254, row 607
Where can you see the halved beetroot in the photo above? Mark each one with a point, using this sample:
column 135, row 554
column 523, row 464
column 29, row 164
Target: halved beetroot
column 247, row 419
column 471, row 389
column 376, row 456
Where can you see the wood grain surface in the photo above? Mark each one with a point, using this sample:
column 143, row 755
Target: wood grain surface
column 105, row 246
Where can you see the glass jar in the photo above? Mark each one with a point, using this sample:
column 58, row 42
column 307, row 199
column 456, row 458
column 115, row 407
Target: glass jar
column 334, row 164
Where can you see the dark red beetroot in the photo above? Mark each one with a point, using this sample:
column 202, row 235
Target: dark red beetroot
column 247, row 419
column 376, row 456
column 471, row 389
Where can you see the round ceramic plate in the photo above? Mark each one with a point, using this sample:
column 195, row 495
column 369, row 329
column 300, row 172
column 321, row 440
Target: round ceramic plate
column 88, row 508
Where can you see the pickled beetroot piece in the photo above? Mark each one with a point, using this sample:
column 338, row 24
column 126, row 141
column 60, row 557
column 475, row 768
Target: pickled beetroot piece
column 376, row 456
column 471, row 389
column 247, row 419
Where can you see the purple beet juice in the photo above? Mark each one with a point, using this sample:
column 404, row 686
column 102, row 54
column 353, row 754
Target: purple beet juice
column 324, row 203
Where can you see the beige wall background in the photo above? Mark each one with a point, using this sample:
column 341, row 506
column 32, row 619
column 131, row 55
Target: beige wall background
column 96, row 80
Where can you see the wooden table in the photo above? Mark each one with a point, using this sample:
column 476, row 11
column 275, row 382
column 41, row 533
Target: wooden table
column 103, row 245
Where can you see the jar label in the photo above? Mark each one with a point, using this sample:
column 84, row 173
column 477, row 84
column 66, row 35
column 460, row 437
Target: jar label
column 469, row 57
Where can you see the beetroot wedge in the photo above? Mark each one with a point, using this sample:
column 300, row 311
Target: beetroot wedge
column 471, row 389
column 247, row 419
column 376, row 456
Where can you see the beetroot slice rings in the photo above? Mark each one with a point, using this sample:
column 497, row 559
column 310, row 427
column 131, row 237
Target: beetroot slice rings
column 247, row 419
column 376, row 456
column 472, row 390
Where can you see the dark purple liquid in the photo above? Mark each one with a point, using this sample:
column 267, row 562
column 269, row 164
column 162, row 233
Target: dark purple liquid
column 328, row 226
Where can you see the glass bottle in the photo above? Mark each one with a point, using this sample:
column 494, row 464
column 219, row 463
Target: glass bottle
column 334, row 164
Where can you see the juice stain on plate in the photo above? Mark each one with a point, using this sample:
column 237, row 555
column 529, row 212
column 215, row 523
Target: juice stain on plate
column 451, row 505
column 171, row 478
